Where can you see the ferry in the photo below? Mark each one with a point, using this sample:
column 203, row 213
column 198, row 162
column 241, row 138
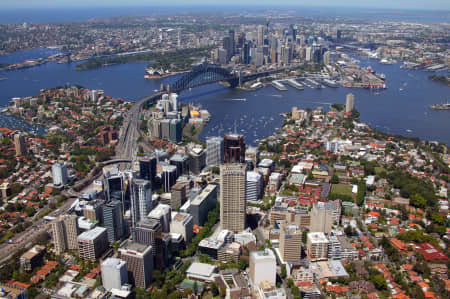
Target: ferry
column 445, row 106
column 330, row 83
column 3, row 79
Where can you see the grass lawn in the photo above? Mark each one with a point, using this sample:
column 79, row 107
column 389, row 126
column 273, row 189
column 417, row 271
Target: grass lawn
column 342, row 189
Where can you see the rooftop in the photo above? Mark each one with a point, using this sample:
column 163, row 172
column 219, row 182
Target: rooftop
column 201, row 269
column 92, row 234
column 133, row 248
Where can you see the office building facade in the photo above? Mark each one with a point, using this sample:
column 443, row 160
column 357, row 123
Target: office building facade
column 141, row 200
column 234, row 148
column 113, row 220
column 232, row 197
column 139, row 260
column 59, row 174
column 214, row 151
column 114, row 273
column 290, row 242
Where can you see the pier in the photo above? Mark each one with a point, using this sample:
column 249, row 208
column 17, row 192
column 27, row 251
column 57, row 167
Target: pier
column 278, row 85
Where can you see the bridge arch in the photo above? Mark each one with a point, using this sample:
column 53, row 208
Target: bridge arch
column 204, row 74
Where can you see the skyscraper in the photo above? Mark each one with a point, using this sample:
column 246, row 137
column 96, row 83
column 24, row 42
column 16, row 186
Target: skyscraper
column 232, row 197
column 234, row 148
column 147, row 169
column 232, row 42
column 59, row 174
column 139, row 261
column 141, row 200
column 65, row 232
column 113, row 220
column 92, row 243
column 260, row 37
column 214, row 151
column 263, row 267
column 254, row 186
column 178, row 196
column 19, row 144
column 350, row 103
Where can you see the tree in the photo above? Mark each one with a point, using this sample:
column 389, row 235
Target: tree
column 379, row 282
column 195, row 287
column 335, row 179
column 222, row 292
column 283, row 271
column 214, row 288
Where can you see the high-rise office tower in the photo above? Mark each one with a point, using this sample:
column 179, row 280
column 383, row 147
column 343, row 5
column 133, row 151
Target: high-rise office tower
column 147, row 169
column 169, row 177
column 290, row 242
column 214, row 151
column 227, row 47
column 147, row 231
column 141, row 200
column 114, row 273
column 65, row 232
column 197, row 159
column 59, row 174
column 139, row 259
column 263, row 267
column 260, row 37
column 178, row 196
column 175, row 130
column 162, row 213
column 255, row 186
column 245, row 54
column 234, row 148
column 181, row 162
column 113, row 220
column 92, row 243
column 323, row 215
column 349, row 103
column 19, row 144
column 232, row 42
column 115, row 189
column 232, row 197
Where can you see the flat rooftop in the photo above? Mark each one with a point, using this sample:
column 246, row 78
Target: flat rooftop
column 92, row 234
column 131, row 247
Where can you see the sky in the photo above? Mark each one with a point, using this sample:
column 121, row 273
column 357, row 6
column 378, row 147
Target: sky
column 386, row 4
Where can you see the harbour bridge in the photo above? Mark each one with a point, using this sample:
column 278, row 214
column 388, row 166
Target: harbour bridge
column 209, row 73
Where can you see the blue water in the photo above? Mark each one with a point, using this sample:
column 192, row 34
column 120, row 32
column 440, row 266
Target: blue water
column 392, row 110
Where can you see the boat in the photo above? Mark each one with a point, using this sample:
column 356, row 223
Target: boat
column 330, row 83
column 3, row 79
column 445, row 106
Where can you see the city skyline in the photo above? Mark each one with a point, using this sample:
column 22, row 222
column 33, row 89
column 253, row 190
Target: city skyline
column 345, row 4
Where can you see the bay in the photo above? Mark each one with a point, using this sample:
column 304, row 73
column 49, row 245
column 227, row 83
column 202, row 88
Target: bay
column 400, row 109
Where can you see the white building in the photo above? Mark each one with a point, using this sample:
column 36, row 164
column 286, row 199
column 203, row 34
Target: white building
column 162, row 213
column 59, row 174
column 214, row 151
column 317, row 246
column 182, row 224
column 263, row 266
column 254, row 186
column 141, row 200
column 114, row 273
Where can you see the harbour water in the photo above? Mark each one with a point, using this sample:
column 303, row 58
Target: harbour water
column 400, row 109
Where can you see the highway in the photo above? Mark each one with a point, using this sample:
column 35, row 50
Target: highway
column 129, row 133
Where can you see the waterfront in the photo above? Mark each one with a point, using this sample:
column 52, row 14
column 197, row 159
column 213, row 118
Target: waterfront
column 401, row 107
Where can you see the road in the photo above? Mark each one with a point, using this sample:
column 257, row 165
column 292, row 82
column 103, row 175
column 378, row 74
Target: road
column 28, row 236
column 129, row 133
